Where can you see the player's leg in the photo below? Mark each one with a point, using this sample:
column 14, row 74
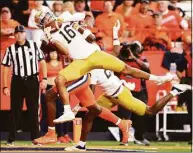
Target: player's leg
column 130, row 103
column 103, row 60
column 60, row 82
column 87, row 99
column 176, row 90
column 107, row 103
column 72, row 72
column 50, row 99
column 73, row 88
column 50, row 136
column 126, row 100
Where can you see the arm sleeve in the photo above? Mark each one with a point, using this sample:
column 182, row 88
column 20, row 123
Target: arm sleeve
column 7, row 58
column 68, row 17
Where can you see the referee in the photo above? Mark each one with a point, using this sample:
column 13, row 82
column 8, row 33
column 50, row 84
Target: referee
column 23, row 56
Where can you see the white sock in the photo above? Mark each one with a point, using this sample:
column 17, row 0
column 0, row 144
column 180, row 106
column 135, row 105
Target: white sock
column 174, row 92
column 118, row 122
column 67, row 108
column 153, row 77
column 51, row 128
column 76, row 109
column 81, row 143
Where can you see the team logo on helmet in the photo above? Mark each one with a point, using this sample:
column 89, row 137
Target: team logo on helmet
column 42, row 18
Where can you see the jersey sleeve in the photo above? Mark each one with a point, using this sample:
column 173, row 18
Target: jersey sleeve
column 68, row 17
column 94, row 77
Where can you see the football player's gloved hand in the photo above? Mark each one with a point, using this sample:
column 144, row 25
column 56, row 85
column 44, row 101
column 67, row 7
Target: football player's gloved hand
column 161, row 79
column 47, row 33
column 75, row 25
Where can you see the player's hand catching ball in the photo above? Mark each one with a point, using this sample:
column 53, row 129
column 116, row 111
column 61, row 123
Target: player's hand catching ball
column 47, row 33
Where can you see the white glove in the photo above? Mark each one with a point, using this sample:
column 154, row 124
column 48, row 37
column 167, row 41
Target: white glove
column 68, row 17
column 116, row 28
column 161, row 79
column 129, row 85
column 47, row 32
column 75, row 25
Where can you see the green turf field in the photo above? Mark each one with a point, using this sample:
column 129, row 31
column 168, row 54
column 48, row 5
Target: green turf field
column 105, row 146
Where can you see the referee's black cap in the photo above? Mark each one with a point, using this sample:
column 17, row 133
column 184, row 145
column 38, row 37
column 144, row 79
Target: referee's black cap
column 19, row 28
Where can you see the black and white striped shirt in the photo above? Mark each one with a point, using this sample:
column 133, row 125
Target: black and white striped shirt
column 24, row 59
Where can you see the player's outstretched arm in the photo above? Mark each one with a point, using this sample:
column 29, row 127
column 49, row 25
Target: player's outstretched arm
column 116, row 42
column 68, row 17
column 87, row 34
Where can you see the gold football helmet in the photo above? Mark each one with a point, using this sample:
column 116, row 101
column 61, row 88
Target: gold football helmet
column 42, row 18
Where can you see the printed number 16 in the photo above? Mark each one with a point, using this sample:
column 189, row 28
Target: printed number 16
column 70, row 33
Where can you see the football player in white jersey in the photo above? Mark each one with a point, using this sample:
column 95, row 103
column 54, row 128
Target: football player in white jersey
column 117, row 92
column 86, row 56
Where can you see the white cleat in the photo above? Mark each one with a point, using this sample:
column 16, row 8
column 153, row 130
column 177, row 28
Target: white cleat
column 181, row 88
column 75, row 148
column 68, row 116
column 10, row 144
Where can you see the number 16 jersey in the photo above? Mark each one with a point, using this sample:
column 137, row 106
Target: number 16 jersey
column 78, row 47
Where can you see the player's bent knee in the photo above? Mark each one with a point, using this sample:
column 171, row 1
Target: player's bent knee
column 95, row 109
column 60, row 80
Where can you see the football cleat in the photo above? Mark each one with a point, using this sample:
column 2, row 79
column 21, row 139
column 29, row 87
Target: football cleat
column 10, row 144
column 49, row 138
column 144, row 142
column 75, row 148
column 181, row 88
column 124, row 127
column 68, row 116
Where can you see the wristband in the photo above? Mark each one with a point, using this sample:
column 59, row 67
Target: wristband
column 86, row 33
column 45, row 78
column 116, row 42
